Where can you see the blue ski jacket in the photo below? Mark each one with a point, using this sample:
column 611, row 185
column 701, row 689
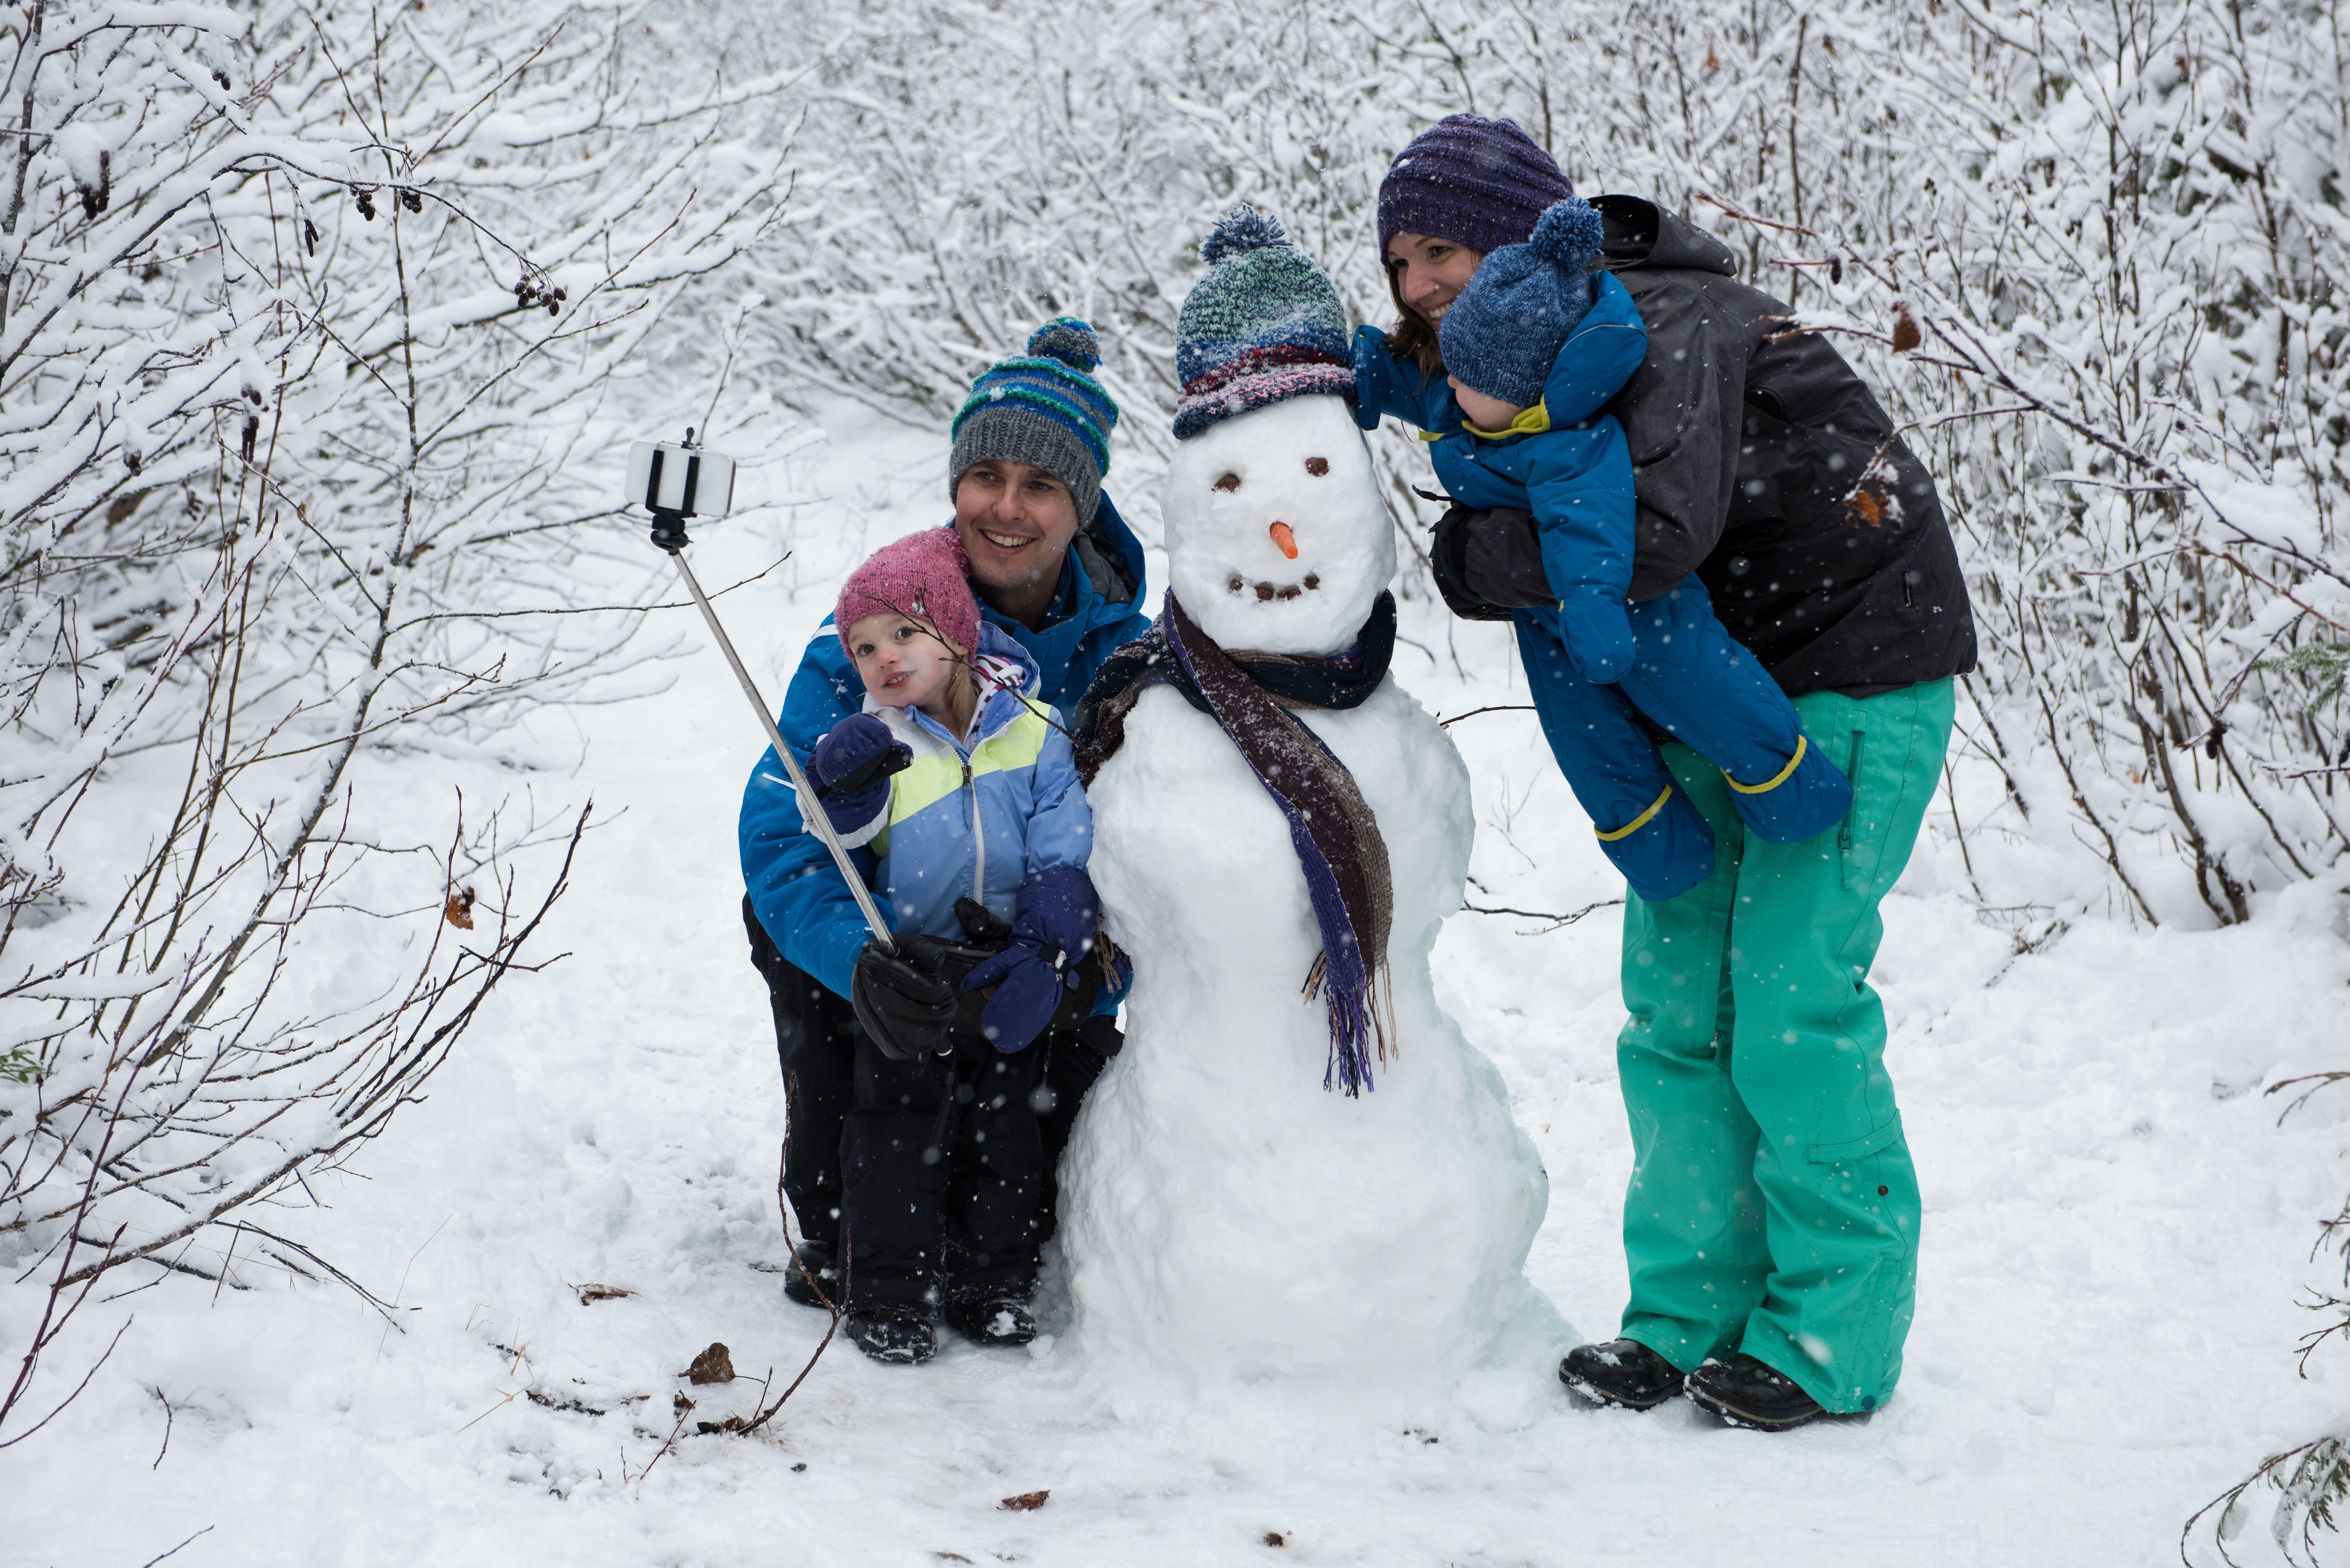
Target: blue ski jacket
column 973, row 819
column 795, row 890
column 1564, row 461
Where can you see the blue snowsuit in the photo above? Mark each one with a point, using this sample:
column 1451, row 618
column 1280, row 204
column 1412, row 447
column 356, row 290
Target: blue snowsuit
column 1597, row 663
column 795, row 890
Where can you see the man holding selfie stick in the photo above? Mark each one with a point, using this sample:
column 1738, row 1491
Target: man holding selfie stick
column 1054, row 567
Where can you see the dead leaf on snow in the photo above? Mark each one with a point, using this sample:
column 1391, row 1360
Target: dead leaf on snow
column 713, row 1366
column 1027, row 1503
column 591, row 1295
column 459, row 910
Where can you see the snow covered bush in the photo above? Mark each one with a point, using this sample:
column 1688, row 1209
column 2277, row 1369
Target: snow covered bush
column 2119, row 233
column 311, row 326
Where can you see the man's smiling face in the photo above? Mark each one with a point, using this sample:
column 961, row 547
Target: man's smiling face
column 1015, row 521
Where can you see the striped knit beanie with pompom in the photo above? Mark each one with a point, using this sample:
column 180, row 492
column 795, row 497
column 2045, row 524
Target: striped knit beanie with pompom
column 1043, row 409
column 1264, row 324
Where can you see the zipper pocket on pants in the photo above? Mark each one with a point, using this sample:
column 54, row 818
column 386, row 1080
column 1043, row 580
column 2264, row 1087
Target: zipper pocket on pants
column 1843, row 832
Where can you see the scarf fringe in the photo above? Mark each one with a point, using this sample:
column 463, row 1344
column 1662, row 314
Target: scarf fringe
column 1362, row 1025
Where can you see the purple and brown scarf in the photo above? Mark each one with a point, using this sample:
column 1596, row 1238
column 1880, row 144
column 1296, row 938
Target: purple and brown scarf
column 1251, row 696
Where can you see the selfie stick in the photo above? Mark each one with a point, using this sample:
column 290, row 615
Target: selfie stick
column 668, row 532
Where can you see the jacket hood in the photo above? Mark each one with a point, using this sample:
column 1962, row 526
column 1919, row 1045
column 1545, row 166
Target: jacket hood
column 1112, row 559
column 1639, row 234
column 998, row 649
column 1597, row 357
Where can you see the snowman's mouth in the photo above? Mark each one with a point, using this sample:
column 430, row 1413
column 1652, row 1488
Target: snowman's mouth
column 1235, row 583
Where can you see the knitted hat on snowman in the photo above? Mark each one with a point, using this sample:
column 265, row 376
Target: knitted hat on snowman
column 1507, row 326
column 1262, row 326
column 1044, row 408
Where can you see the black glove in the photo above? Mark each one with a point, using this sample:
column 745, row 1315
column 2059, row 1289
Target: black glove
column 904, row 1001
column 1102, row 1036
column 1489, row 563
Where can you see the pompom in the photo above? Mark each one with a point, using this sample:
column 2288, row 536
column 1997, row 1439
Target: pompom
column 1241, row 230
column 1067, row 339
column 1568, row 233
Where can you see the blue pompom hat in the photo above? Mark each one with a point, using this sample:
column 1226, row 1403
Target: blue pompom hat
column 1044, row 408
column 1262, row 326
column 1506, row 327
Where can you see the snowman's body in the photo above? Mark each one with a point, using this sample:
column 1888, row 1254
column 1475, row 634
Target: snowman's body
column 1227, row 1218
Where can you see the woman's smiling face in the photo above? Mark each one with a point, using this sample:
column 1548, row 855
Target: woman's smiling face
column 1430, row 272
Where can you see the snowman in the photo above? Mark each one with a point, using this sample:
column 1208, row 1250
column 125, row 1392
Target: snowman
column 1297, row 1170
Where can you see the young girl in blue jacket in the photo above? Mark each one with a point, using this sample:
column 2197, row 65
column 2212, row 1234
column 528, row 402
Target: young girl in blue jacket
column 1532, row 347
column 958, row 781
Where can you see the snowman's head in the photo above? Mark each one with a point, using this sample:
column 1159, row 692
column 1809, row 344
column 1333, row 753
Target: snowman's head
column 1277, row 538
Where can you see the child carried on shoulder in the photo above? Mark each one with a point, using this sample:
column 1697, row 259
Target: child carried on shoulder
column 1534, row 346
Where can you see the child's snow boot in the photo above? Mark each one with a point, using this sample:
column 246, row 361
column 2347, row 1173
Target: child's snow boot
column 1808, row 796
column 812, row 1276
column 1001, row 1318
column 893, row 1334
column 1664, row 851
column 1621, row 1372
column 1746, row 1392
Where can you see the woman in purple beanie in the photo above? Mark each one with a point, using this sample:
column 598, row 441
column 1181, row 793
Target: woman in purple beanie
column 1771, row 1223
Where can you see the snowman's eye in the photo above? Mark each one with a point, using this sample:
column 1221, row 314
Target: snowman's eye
column 1229, row 481
column 1317, row 466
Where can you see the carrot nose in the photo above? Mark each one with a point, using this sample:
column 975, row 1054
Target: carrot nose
column 1285, row 539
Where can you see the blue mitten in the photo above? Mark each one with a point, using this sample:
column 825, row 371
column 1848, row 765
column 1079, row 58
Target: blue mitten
column 850, row 770
column 1371, row 387
column 1051, row 935
column 1597, row 634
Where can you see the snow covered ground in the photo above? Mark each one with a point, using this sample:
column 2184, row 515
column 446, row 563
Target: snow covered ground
column 2116, row 1225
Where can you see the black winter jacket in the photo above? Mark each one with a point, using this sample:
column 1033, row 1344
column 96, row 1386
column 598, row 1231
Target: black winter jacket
column 1768, row 469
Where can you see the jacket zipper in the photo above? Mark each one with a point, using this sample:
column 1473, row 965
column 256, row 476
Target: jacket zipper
column 978, row 837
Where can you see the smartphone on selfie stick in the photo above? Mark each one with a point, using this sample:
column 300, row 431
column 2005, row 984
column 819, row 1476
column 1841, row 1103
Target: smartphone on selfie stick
column 678, row 481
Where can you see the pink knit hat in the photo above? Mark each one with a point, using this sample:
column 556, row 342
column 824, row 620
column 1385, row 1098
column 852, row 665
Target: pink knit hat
column 923, row 575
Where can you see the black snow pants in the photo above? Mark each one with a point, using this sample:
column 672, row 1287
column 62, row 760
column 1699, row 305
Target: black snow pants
column 942, row 1168
column 815, row 1045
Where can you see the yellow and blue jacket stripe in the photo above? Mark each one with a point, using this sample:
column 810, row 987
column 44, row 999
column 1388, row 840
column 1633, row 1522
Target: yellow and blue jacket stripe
column 976, row 819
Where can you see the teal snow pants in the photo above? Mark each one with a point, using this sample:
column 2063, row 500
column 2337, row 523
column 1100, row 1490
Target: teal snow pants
column 1773, row 1208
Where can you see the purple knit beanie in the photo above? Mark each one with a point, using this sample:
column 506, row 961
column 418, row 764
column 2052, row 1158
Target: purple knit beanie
column 924, row 576
column 1476, row 182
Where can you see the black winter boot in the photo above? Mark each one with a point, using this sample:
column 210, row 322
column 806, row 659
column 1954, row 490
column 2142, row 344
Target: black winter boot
column 993, row 1319
column 813, row 1259
column 1621, row 1372
column 1745, row 1392
column 894, row 1335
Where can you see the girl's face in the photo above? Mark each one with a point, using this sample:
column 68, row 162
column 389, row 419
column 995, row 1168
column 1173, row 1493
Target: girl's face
column 903, row 664
column 1430, row 272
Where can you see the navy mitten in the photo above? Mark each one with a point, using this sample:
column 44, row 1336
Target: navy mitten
column 850, row 770
column 1371, row 387
column 1051, row 935
column 1597, row 634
